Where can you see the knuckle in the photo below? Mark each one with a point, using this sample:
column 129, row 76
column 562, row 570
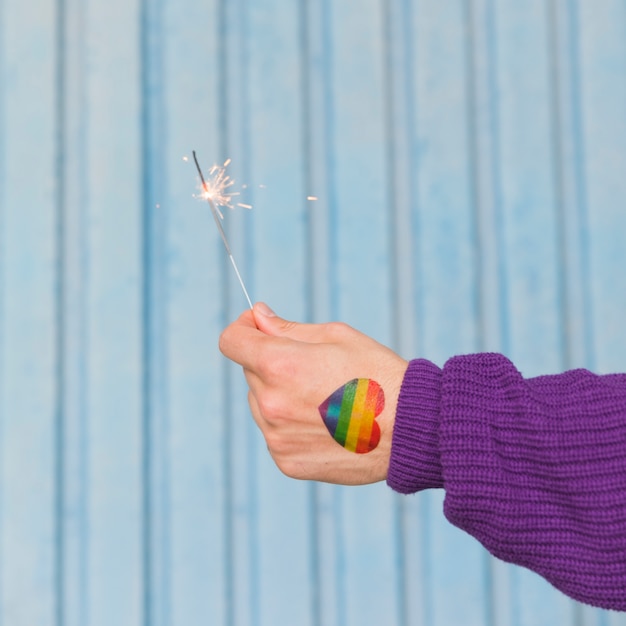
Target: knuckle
column 288, row 326
column 281, row 449
column 224, row 341
column 266, row 366
column 288, row 468
column 339, row 329
column 288, row 465
column 270, row 406
column 277, row 366
column 274, row 443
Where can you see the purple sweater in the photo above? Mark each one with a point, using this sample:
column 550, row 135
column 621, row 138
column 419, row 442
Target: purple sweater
column 535, row 469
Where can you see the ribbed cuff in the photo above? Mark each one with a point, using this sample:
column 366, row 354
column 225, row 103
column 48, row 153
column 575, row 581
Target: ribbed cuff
column 415, row 462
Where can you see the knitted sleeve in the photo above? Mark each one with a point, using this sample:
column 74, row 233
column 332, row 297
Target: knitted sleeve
column 535, row 469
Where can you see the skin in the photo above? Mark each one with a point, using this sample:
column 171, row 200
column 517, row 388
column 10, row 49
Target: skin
column 291, row 368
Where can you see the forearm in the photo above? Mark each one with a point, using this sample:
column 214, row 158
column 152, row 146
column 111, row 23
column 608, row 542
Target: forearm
column 534, row 469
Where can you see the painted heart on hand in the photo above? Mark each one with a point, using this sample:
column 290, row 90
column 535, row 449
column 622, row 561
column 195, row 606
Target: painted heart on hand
column 350, row 414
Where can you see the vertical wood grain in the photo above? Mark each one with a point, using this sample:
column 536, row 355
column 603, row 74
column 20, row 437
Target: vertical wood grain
column 360, row 233
column 192, row 510
column 603, row 56
column 529, row 229
column 412, row 529
column 320, row 181
column 114, row 282
column 278, row 194
column 571, row 183
column 447, row 265
column 75, row 347
column 29, row 349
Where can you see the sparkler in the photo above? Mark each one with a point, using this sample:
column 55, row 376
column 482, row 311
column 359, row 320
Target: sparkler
column 215, row 192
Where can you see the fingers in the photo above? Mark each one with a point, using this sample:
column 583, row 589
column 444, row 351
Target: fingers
column 259, row 420
column 271, row 324
column 246, row 339
column 240, row 340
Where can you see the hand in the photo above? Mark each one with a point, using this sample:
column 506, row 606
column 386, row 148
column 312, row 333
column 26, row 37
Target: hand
column 291, row 369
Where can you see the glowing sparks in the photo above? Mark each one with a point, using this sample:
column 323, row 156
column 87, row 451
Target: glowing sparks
column 217, row 188
column 214, row 192
column 312, row 198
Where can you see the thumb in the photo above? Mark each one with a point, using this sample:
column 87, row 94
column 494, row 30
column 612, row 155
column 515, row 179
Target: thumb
column 268, row 322
column 271, row 324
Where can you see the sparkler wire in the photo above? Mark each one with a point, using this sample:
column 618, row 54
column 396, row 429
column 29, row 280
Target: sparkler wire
column 218, row 223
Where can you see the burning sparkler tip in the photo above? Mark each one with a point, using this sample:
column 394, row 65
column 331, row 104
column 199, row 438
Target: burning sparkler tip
column 215, row 189
column 214, row 192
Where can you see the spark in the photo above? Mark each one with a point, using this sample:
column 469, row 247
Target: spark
column 217, row 189
column 312, row 198
column 214, row 192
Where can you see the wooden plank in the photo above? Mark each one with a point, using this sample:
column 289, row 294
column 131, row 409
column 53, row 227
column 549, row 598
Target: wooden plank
column 603, row 58
column 570, row 180
column 157, row 462
column 360, row 250
column 401, row 112
column 320, row 175
column 485, row 140
column 529, row 215
column 28, row 332
column 277, row 190
column 529, row 235
column 444, row 203
column 113, row 309
column 590, row 616
column 275, row 109
column 74, row 597
column 411, row 530
column 446, row 294
column 360, row 185
column 191, row 499
column 244, row 438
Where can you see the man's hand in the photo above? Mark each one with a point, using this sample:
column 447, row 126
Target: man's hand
column 291, row 370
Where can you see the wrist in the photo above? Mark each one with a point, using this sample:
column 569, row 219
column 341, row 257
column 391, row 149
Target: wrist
column 415, row 459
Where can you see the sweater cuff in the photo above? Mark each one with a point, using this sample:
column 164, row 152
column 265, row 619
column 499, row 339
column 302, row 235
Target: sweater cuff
column 415, row 461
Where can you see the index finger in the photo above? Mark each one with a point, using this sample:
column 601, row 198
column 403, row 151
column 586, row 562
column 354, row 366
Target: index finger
column 237, row 341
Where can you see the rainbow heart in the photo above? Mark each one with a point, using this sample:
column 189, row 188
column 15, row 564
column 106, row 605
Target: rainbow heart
column 350, row 414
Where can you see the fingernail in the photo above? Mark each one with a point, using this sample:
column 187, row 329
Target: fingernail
column 263, row 309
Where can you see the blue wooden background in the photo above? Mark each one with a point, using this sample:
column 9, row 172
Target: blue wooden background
column 470, row 163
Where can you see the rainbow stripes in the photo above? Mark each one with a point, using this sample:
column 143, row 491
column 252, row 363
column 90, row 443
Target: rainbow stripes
column 350, row 414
